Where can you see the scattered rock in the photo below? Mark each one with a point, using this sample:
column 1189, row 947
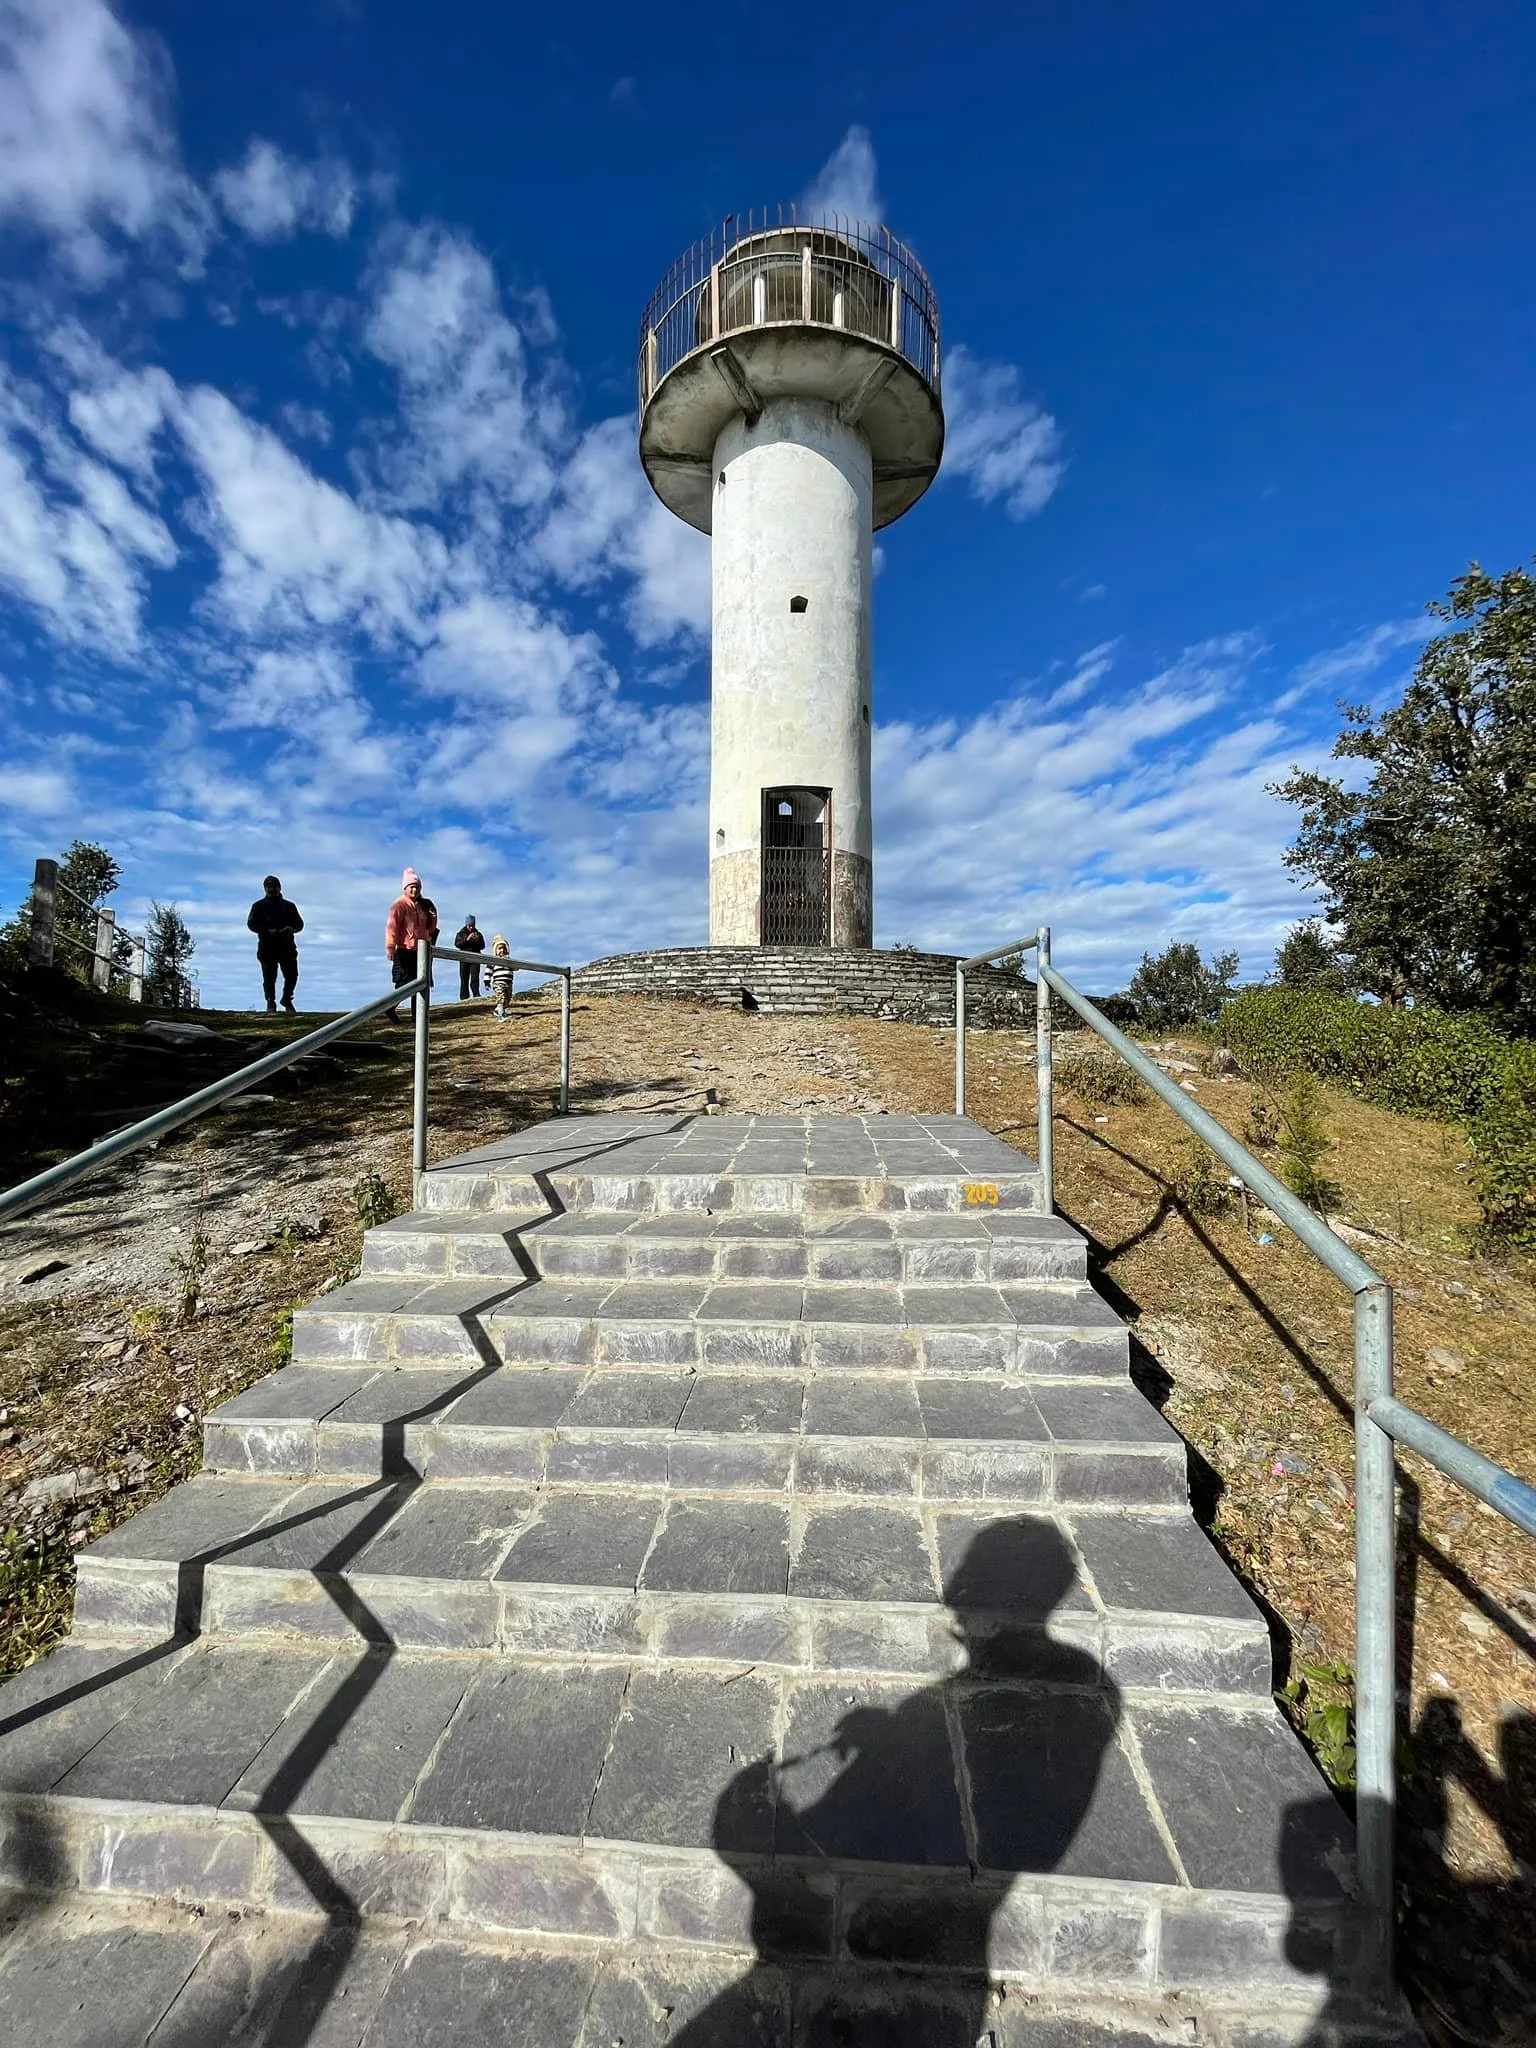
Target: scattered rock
column 1336, row 1486
column 1291, row 1462
column 1476, row 1624
column 1409, row 1294
column 41, row 1271
column 1460, row 1293
column 249, row 1246
column 56, row 1486
column 1445, row 1361
column 1224, row 1061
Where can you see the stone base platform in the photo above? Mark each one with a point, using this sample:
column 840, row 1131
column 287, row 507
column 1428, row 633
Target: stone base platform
column 814, row 981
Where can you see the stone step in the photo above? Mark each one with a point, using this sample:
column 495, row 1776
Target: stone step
column 1066, row 1837
column 998, row 1246
column 898, row 1434
column 817, row 1167
column 827, row 1583
column 1047, row 1327
column 117, row 1968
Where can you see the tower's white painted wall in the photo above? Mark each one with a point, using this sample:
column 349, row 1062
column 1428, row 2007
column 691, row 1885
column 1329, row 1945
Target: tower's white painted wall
column 790, row 690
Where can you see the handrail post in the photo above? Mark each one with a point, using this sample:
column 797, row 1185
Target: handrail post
column 101, row 964
column 1044, row 1101
column 136, row 972
column 959, row 1040
column 1375, row 1639
column 45, row 900
column 565, row 1041
column 423, row 1027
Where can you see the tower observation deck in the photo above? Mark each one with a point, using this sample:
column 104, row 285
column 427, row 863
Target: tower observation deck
column 789, row 406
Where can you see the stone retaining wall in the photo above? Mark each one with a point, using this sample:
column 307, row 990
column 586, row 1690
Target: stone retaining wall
column 911, row 988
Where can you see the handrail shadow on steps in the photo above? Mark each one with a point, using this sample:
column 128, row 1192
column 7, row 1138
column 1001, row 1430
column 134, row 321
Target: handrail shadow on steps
column 1380, row 1419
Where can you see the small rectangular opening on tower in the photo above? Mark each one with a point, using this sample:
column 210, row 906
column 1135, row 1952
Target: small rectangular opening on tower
column 797, row 867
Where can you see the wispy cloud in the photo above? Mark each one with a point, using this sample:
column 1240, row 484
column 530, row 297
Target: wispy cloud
column 1362, row 656
column 847, row 183
column 1005, row 446
column 271, row 195
column 89, row 158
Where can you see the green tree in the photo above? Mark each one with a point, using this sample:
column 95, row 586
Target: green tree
column 1430, row 870
column 1308, row 958
column 88, row 875
column 1176, row 987
column 1305, row 1143
column 168, row 946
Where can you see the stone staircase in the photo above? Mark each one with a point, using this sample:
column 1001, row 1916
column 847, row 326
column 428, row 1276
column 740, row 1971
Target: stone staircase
column 709, row 1580
column 812, row 981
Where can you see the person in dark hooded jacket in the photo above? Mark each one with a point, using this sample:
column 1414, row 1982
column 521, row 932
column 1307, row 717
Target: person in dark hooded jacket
column 276, row 923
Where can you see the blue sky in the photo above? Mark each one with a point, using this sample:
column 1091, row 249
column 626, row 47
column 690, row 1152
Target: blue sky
column 323, row 544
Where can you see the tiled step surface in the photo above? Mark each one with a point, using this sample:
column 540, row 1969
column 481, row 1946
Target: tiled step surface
column 1002, row 1246
column 771, row 1325
column 905, row 1435
column 121, row 1970
column 748, row 1165
column 824, row 1591
column 1054, row 1832
column 828, row 1584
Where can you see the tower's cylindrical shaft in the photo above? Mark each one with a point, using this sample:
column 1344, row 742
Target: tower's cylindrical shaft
column 791, row 679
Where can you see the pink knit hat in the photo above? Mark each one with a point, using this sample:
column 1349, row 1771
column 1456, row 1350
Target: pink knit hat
column 407, row 878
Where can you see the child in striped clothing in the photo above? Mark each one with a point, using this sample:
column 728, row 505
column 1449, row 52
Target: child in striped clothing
column 501, row 977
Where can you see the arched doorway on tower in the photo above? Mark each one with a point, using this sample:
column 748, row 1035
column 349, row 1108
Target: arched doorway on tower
column 797, row 867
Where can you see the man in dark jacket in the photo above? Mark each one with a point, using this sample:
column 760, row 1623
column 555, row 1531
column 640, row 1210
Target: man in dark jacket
column 275, row 921
column 469, row 939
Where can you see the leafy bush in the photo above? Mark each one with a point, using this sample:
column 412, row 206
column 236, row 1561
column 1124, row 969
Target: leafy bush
column 1322, row 1700
column 1261, row 1132
column 1176, row 987
column 1101, row 1079
column 1199, row 1182
column 373, row 1201
column 1420, row 1062
column 1305, row 1144
column 1503, row 1137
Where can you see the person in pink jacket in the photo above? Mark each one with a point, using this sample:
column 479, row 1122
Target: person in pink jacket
column 412, row 917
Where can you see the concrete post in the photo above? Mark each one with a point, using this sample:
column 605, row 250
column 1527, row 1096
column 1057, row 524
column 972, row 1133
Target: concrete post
column 45, row 901
column 101, row 963
column 136, row 972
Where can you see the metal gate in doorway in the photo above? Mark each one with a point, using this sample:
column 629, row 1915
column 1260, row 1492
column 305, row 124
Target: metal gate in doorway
column 797, row 867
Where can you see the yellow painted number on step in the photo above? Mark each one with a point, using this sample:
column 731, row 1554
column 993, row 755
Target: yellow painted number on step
column 979, row 1191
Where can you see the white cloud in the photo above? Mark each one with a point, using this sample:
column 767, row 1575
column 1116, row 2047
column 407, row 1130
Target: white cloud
column 272, row 195
column 293, row 550
column 1003, row 445
column 472, row 415
column 846, row 183
column 607, row 520
column 88, row 155
column 1361, row 656
column 74, row 541
column 1089, row 669
column 1123, row 823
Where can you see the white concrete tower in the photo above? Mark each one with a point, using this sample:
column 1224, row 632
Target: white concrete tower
column 789, row 405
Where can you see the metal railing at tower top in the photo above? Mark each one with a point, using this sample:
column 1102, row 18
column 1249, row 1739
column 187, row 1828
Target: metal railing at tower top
column 29, row 1194
column 773, row 268
column 1380, row 1421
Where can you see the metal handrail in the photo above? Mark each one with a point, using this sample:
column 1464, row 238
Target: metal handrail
column 1380, row 1419
column 684, row 313
column 424, row 1027
column 28, row 1194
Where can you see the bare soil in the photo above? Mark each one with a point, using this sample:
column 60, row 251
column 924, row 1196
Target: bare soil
column 129, row 1311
